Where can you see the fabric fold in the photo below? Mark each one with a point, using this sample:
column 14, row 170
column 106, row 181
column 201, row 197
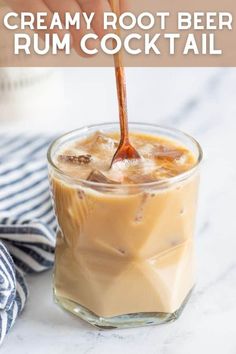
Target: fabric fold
column 27, row 221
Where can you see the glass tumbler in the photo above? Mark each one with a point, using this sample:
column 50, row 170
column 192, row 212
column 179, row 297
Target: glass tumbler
column 124, row 253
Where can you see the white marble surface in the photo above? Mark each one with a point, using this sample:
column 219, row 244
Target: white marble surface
column 203, row 103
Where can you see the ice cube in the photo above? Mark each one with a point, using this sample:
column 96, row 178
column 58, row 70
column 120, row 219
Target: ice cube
column 141, row 178
column 146, row 150
column 126, row 164
column 182, row 159
column 102, row 142
column 75, row 159
column 99, row 177
column 168, row 153
column 135, row 170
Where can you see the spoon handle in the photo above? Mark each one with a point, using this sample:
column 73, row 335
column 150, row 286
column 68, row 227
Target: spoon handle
column 122, row 100
column 120, row 84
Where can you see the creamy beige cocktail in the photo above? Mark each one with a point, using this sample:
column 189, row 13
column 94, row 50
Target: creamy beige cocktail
column 124, row 253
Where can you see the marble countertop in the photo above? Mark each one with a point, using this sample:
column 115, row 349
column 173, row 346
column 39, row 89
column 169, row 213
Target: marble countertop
column 199, row 101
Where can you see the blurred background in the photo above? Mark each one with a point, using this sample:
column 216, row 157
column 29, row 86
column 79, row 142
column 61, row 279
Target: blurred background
column 71, row 97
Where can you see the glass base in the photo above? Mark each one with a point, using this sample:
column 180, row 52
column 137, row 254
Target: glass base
column 122, row 321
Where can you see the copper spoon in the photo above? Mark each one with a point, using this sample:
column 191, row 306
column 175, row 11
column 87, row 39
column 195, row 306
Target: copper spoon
column 125, row 150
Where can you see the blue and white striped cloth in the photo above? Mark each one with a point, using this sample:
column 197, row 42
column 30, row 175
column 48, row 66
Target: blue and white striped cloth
column 27, row 221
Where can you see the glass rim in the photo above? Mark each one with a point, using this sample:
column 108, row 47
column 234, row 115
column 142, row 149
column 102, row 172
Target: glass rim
column 159, row 183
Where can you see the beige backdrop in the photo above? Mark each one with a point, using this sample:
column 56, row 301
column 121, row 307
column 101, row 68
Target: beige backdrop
column 225, row 40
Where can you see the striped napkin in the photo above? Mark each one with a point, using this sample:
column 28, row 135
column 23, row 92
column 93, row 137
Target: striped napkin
column 27, row 221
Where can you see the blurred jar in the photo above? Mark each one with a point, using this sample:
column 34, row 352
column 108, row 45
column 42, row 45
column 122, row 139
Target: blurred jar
column 28, row 95
column 14, row 79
